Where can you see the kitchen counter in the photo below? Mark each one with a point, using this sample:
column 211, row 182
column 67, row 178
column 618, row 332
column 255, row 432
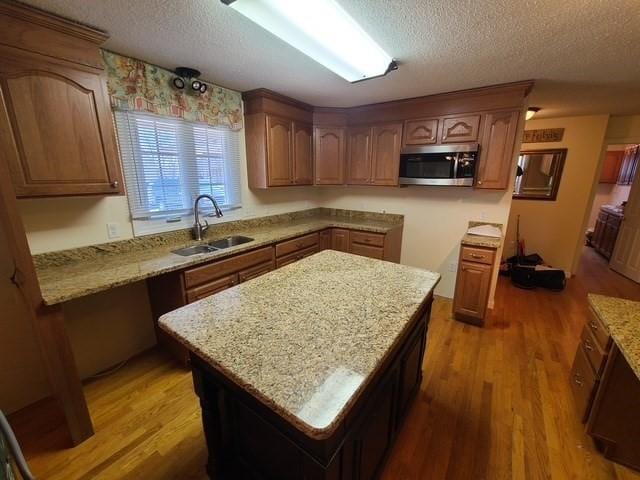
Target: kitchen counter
column 305, row 339
column 74, row 273
column 622, row 318
column 482, row 240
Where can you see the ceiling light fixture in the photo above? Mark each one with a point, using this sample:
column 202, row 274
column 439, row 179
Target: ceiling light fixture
column 188, row 76
column 531, row 111
column 322, row 30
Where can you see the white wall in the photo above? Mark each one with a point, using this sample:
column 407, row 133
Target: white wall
column 555, row 229
column 436, row 218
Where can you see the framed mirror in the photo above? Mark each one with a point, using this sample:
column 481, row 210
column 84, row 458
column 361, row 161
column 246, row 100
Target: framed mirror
column 538, row 174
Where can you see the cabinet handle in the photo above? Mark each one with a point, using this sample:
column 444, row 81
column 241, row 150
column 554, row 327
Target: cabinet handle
column 475, row 255
column 479, row 182
column 114, row 184
column 587, row 345
column 576, row 378
column 593, row 325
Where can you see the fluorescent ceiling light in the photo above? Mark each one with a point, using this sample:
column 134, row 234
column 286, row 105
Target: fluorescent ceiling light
column 322, row 30
column 531, row 111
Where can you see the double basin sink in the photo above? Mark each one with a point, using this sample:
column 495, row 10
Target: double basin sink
column 221, row 244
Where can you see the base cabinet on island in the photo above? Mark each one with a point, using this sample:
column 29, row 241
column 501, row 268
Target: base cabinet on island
column 606, row 391
column 248, row 440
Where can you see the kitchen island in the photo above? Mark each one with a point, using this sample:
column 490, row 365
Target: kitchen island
column 308, row 371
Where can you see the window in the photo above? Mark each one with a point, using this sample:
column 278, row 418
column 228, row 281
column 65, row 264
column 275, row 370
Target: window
column 168, row 162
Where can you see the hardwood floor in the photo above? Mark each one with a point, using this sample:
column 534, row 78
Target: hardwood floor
column 494, row 404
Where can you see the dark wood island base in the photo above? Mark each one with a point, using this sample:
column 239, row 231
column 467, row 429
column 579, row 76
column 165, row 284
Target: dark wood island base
column 248, row 440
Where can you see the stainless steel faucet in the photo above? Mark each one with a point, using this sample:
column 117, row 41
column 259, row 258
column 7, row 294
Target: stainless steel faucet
column 198, row 229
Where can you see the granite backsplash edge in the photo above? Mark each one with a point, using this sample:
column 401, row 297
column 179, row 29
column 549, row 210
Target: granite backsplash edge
column 183, row 236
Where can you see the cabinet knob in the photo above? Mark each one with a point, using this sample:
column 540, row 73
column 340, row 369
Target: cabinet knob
column 593, row 325
column 479, row 182
column 576, row 378
column 115, row 184
column 587, row 345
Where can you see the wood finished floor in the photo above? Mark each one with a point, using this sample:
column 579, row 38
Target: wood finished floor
column 494, row 404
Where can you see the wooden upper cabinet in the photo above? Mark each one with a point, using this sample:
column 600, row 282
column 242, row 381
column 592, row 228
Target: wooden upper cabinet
column 302, row 154
column 279, row 154
column 58, row 134
column 385, row 157
column 279, row 140
column 460, row 129
column 611, row 167
column 329, row 154
column 497, row 150
column 359, row 156
column 421, row 131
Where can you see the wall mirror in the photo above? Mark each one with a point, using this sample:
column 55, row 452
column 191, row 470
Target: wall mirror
column 538, row 174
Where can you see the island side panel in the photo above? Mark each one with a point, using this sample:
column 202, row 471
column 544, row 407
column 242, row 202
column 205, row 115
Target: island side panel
column 246, row 439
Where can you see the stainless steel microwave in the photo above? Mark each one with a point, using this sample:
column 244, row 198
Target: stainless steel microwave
column 439, row 165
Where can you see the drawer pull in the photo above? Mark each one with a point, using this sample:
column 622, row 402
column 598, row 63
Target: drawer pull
column 576, row 378
column 588, row 346
column 475, row 255
column 593, row 325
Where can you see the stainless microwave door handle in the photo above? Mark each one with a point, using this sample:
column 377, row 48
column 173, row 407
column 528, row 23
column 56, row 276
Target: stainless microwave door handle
column 455, row 166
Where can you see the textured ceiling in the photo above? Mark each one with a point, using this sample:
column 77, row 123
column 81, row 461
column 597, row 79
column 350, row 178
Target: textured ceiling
column 583, row 54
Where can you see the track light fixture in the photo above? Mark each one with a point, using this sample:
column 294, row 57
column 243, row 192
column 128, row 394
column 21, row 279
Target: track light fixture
column 188, row 76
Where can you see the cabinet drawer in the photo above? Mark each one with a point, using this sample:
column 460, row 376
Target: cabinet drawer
column 597, row 356
column 211, row 288
column 221, row 268
column 253, row 272
column 477, row 255
column 296, row 244
column 367, row 238
column 583, row 382
column 600, row 333
column 295, row 256
column 367, row 251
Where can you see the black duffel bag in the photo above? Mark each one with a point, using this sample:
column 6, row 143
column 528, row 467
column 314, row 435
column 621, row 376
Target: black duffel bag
column 526, row 276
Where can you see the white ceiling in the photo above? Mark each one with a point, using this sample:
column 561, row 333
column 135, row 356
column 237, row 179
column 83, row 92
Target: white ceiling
column 583, row 54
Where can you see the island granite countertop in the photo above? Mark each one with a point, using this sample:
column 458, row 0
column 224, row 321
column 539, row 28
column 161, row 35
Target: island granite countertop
column 305, row 339
column 68, row 274
column 622, row 318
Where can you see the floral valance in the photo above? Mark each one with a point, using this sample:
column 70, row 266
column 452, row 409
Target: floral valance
column 136, row 85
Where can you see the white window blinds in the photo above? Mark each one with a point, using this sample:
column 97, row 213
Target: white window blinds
column 168, row 162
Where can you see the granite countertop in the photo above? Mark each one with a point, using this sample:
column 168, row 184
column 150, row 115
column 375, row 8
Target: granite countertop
column 481, row 240
column 622, row 318
column 306, row 338
column 75, row 273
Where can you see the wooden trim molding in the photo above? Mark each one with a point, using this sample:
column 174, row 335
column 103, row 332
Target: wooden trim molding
column 48, row 322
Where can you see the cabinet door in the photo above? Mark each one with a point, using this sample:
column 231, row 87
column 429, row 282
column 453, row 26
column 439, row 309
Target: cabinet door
column 302, row 154
column 411, row 371
column 279, row 151
column 340, row 240
column 385, row 157
column 472, row 290
column 59, row 137
column 359, row 156
column 496, row 150
column 324, row 242
column 611, row 167
column 329, row 155
column 460, row 129
column 598, row 234
column 423, row 131
column 583, row 383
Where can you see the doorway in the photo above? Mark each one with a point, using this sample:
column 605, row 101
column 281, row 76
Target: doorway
column 613, row 227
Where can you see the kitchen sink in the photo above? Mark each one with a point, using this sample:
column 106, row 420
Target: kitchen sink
column 228, row 242
column 187, row 251
column 221, row 244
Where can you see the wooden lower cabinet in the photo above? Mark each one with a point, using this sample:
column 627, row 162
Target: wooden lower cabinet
column 607, row 395
column 248, row 440
column 605, row 233
column 473, row 283
column 324, row 240
column 340, row 240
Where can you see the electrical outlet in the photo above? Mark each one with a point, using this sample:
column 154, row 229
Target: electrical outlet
column 453, row 267
column 483, row 215
column 113, row 230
